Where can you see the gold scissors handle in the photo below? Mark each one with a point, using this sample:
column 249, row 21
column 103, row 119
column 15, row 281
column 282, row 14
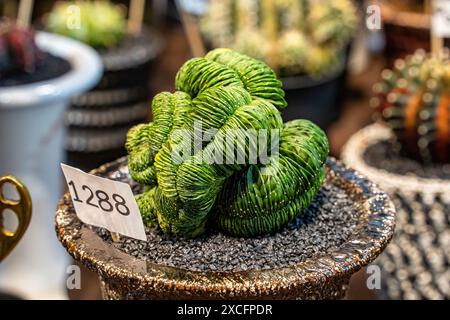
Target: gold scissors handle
column 22, row 209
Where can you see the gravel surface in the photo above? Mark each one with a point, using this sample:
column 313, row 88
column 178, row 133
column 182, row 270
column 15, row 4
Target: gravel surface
column 383, row 155
column 326, row 224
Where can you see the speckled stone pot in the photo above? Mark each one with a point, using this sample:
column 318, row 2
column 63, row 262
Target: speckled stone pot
column 416, row 263
column 326, row 277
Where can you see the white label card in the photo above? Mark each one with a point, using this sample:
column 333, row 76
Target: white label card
column 104, row 203
column 440, row 25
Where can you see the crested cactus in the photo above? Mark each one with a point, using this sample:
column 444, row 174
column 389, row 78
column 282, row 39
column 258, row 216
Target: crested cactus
column 225, row 92
column 292, row 36
column 414, row 100
column 18, row 49
column 100, row 24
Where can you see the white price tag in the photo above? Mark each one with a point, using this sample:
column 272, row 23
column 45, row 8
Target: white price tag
column 104, row 203
column 440, row 20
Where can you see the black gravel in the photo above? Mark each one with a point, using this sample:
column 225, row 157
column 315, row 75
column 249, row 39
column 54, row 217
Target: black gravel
column 326, row 224
column 384, row 155
column 49, row 68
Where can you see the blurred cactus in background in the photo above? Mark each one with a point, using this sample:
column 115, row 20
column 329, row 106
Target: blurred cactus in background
column 414, row 100
column 18, row 49
column 100, row 24
column 293, row 36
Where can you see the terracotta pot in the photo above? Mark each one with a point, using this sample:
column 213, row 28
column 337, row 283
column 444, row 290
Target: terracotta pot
column 406, row 30
column 326, row 277
column 416, row 263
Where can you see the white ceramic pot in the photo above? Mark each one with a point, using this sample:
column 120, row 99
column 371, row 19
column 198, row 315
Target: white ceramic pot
column 31, row 148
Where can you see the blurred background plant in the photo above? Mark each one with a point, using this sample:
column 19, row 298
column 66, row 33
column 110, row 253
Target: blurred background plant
column 18, row 49
column 293, row 37
column 99, row 119
column 101, row 24
column 413, row 101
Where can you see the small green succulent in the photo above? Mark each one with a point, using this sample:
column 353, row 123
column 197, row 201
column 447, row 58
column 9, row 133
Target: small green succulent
column 185, row 193
column 100, row 24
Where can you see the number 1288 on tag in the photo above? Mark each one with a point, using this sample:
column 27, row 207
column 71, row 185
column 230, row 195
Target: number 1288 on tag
column 100, row 199
column 104, row 203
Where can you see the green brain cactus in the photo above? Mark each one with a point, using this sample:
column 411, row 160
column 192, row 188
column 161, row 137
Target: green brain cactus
column 100, row 24
column 292, row 36
column 226, row 92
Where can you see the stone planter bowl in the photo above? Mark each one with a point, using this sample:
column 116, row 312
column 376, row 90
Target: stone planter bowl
column 326, row 277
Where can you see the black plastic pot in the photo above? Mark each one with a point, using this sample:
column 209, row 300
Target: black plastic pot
column 98, row 120
column 315, row 99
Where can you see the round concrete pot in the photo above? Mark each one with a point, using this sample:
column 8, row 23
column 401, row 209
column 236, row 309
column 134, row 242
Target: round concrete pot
column 123, row 276
column 31, row 148
column 416, row 263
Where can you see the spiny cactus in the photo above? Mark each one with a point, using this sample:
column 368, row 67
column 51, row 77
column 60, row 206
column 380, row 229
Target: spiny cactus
column 100, row 24
column 414, row 100
column 228, row 92
column 18, row 49
column 292, row 36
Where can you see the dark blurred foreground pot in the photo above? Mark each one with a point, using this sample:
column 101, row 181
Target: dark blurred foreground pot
column 315, row 98
column 416, row 263
column 326, row 277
